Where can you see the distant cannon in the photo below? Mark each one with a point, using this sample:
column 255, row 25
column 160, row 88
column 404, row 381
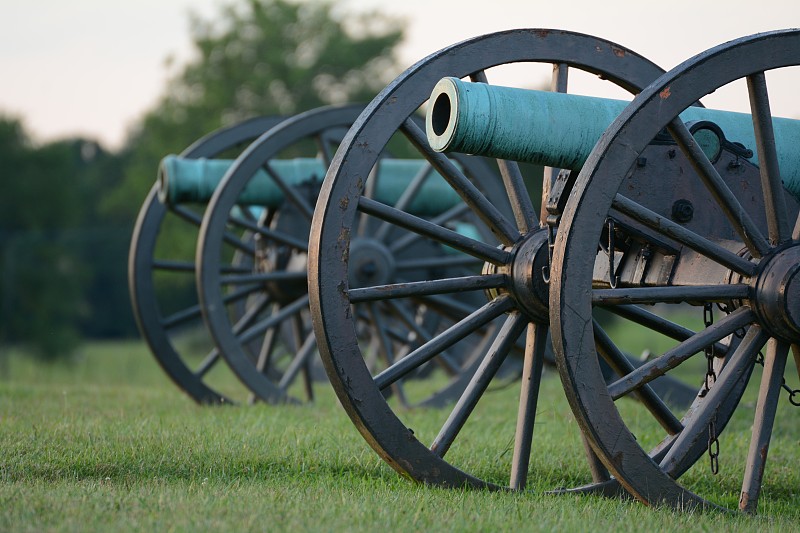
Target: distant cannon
column 168, row 326
column 252, row 216
column 188, row 180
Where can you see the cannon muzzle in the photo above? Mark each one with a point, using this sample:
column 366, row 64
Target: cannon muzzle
column 559, row 130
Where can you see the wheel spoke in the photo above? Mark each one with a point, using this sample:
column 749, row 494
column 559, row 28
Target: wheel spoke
column 195, row 311
column 187, row 214
column 173, row 266
column 285, row 312
column 326, row 144
column 796, row 230
column 267, row 233
column 299, row 361
column 424, row 288
column 410, row 238
column 428, row 229
column 291, row 193
column 207, row 364
column 680, row 353
column 448, row 306
column 479, row 204
column 181, row 317
column 264, row 277
column 524, row 213
column 438, row 262
column 796, row 354
column 251, row 314
column 697, row 428
column 385, row 347
column 535, row 346
column 767, row 404
column 665, row 226
column 444, row 340
column 405, row 200
column 265, row 353
column 771, row 184
column 670, row 294
column 267, row 346
column 301, row 332
column 558, row 84
column 448, row 363
column 736, row 214
column 479, row 77
column 659, row 324
column 238, row 243
column 622, row 366
column 512, row 328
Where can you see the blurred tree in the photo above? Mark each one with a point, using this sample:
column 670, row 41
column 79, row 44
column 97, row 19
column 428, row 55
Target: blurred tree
column 259, row 57
column 42, row 275
column 67, row 208
column 255, row 58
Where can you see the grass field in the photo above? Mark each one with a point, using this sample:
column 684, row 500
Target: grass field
column 108, row 443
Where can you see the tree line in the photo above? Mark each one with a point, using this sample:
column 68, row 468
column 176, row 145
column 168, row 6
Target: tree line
column 67, row 208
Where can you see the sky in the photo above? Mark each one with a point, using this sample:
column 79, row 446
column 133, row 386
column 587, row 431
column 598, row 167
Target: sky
column 92, row 67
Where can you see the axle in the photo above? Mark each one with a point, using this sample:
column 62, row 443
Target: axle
column 559, row 130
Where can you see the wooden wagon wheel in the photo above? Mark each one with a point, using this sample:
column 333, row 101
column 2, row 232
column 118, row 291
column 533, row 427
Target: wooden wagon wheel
column 276, row 319
column 270, row 344
column 510, row 285
column 742, row 258
column 152, row 263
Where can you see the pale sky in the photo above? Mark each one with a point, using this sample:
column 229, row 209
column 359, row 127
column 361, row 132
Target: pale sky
column 91, row 67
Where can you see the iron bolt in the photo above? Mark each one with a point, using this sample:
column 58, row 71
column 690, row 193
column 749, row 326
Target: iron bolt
column 682, row 211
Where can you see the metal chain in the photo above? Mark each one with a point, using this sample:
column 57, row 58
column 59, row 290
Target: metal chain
column 794, row 394
column 711, row 375
column 713, row 446
column 709, row 380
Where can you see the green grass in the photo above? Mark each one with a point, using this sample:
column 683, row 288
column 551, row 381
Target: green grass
column 108, row 443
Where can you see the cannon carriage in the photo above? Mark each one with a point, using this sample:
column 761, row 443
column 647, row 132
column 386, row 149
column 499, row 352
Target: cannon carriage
column 661, row 232
column 425, row 455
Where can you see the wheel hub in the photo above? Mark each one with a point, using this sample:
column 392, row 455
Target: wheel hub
column 283, row 259
column 526, row 284
column 777, row 293
column 274, row 258
column 371, row 263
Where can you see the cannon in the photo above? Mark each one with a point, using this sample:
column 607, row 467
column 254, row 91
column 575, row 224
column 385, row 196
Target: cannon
column 259, row 324
column 177, row 334
column 170, row 329
column 675, row 207
column 511, row 283
column 276, row 281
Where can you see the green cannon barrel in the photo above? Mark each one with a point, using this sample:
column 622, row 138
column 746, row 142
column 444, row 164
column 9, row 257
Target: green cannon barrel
column 195, row 180
column 560, row 130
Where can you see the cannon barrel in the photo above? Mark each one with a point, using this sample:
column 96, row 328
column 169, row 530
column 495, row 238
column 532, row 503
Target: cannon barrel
column 560, row 130
column 183, row 180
